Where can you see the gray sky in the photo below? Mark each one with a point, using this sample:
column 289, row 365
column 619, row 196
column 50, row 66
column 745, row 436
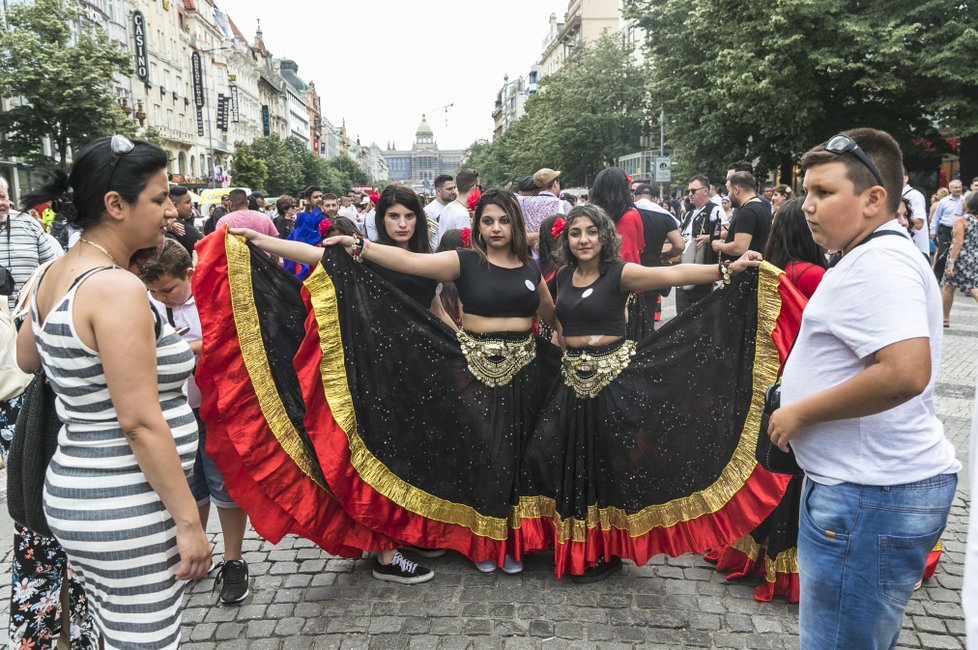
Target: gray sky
column 381, row 64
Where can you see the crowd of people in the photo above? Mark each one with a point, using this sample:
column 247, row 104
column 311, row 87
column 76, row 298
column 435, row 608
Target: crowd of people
column 481, row 373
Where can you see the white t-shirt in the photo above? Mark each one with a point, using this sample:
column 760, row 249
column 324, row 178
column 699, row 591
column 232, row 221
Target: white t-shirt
column 919, row 208
column 453, row 216
column 370, row 225
column 185, row 315
column 881, row 293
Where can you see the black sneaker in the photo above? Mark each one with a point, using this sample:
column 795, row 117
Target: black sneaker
column 599, row 571
column 232, row 575
column 402, row 570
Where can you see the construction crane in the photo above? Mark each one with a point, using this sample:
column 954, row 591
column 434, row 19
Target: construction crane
column 444, row 107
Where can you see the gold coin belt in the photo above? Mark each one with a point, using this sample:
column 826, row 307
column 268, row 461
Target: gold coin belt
column 588, row 373
column 496, row 361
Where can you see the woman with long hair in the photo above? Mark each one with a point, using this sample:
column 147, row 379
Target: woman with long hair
column 630, row 445
column 610, row 193
column 461, row 403
column 790, row 247
column 116, row 494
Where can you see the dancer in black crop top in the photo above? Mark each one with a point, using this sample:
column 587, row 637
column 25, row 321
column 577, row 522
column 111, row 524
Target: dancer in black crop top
column 499, row 285
column 587, row 417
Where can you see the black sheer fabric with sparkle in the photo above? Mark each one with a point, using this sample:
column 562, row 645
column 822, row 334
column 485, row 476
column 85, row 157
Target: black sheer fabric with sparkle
column 659, row 460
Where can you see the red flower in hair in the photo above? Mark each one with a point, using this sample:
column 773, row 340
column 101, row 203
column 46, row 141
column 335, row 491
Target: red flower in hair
column 473, row 199
column 558, row 228
column 466, row 237
column 628, row 178
column 324, row 226
column 374, row 197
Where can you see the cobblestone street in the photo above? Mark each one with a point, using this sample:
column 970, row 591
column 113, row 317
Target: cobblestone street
column 303, row 598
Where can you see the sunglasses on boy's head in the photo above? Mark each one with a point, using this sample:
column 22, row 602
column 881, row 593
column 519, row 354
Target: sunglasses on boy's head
column 843, row 144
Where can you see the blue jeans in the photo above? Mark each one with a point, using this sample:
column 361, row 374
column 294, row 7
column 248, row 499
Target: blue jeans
column 861, row 550
column 207, row 482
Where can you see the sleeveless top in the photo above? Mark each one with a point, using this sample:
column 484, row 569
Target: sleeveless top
column 595, row 310
column 420, row 290
column 496, row 292
column 91, row 441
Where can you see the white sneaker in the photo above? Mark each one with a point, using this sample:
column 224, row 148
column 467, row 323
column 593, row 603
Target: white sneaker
column 486, row 566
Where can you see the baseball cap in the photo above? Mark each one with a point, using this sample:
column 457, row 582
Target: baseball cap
column 526, row 184
column 645, row 188
column 544, row 177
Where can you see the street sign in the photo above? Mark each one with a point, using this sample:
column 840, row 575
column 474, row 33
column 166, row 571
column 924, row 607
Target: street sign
column 200, row 121
column 663, row 169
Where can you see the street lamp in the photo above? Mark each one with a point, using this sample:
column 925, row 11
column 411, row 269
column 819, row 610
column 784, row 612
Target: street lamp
column 207, row 103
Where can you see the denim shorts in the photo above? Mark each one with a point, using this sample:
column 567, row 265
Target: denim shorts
column 861, row 550
column 206, row 482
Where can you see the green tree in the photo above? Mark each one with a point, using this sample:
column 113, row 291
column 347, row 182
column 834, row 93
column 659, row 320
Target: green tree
column 775, row 79
column 353, row 173
column 65, row 84
column 282, row 168
column 248, row 169
column 587, row 114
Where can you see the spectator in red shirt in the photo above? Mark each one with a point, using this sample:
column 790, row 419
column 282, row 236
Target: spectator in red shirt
column 610, row 192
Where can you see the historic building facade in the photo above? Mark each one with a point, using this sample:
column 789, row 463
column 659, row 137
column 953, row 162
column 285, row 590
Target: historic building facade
column 420, row 165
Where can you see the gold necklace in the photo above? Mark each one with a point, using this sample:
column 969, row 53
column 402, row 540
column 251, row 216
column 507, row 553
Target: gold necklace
column 99, row 247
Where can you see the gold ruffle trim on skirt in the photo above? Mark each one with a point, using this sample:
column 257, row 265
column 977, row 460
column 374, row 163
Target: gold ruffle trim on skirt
column 256, row 360
column 587, row 373
column 733, row 477
column 368, row 467
column 495, row 361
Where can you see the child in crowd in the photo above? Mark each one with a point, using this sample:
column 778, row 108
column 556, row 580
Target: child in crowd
column 167, row 276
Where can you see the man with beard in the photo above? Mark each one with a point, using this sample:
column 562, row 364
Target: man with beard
column 751, row 222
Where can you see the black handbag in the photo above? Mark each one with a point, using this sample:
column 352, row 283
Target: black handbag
column 768, row 455
column 34, row 443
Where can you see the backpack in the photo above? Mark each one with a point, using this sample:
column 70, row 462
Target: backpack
column 59, row 230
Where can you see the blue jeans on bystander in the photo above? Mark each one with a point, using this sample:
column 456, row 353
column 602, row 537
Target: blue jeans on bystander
column 861, row 550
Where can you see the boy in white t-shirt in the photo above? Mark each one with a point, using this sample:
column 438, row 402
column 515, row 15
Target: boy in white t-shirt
column 168, row 279
column 858, row 404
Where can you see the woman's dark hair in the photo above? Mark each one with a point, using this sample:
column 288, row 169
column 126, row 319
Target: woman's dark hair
column 396, row 194
column 548, row 246
column 342, row 226
column 610, row 193
column 450, row 241
column 80, row 194
column 791, row 238
column 607, row 236
column 506, row 201
column 908, row 214
column 285, row 202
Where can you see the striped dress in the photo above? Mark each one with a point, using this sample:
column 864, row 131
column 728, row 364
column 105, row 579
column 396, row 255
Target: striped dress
column 119, row 538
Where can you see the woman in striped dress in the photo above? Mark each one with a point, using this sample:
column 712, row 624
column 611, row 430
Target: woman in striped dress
column 115, row 493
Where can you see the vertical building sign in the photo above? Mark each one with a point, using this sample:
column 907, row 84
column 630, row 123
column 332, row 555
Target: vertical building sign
column 234, row 104
column 142, row 60
column 197, row 70
column 222, row 112
column 266, row 127
column 200, row 121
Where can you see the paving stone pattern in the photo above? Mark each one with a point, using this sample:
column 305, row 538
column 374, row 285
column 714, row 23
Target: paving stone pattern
column 303, row 598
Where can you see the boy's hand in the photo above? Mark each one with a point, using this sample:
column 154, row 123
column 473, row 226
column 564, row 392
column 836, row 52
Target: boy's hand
column 785, row 423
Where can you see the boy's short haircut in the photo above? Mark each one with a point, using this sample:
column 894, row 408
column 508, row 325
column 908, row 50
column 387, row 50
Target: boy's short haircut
column 881, row 148
column 329, row 196
column 466, row 179
column 173, row 260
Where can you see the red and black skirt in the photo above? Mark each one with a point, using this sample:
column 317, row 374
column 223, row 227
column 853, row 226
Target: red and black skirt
column 391, row 425
column 660, row 458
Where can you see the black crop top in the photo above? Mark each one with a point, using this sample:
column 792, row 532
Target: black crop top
column 420, row 290
column 595, row 310
column 496, row 292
